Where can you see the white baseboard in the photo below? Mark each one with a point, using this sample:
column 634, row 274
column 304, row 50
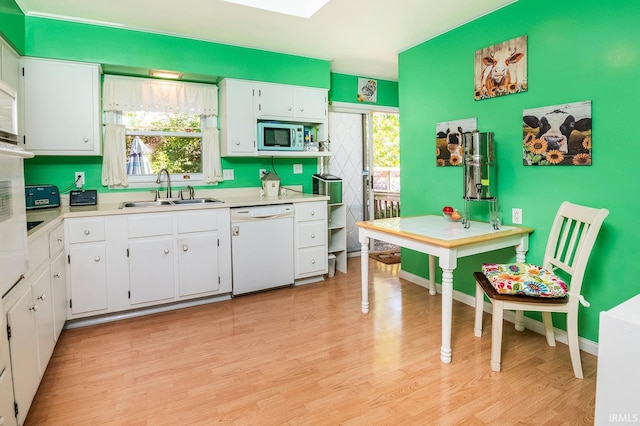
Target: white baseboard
column 586, row 345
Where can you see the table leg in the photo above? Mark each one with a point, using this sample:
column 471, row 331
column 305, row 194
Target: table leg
column 447, row 309
column 432, row 275
column 364, row 269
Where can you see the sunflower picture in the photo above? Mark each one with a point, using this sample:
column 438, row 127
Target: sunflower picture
column 449, row 150
column 558, row 135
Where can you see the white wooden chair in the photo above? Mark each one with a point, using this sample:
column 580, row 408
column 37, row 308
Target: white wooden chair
column 526, row 287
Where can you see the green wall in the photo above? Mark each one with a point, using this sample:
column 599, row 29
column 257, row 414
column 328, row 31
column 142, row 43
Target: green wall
column 12, row 24
column 577, row 50
column 129, row 52
column 344, row 88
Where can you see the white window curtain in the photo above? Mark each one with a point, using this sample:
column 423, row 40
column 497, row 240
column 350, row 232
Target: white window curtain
column 139, row 94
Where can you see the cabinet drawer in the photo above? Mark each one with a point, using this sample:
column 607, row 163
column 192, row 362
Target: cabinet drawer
column 311, row 211
column 311, row 260
column 56, row 241
column 86, row 230
column 311, row 234
column 197, row 221
column 150, row 225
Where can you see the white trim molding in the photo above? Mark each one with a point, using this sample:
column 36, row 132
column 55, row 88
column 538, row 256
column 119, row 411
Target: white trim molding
column 586, row 345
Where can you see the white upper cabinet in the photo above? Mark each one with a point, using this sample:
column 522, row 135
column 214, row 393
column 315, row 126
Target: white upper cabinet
column 9, row 65
column 243, row 103
column 274, row 101
column 280, row 101
column 61, row 107
column 311, row 104
column 237, row 122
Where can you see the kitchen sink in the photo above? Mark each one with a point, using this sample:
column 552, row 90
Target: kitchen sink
column 197, row 201
column 161, row 203
column 145, row 203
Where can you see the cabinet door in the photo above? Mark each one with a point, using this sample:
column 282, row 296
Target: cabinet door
column 10, row 66
column 41, row 297
column 61, row 107
column 59, row 294
column 237, row 122
column 23, row 345
column 88, row 277
column 311, row 104
column 151, row 269
column 198, row 263
column 274, row 101
column 7, row 411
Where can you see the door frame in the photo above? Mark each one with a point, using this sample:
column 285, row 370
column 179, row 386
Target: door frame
column 366, row 110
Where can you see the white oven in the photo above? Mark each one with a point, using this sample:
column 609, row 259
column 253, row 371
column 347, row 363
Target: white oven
column 13, row 216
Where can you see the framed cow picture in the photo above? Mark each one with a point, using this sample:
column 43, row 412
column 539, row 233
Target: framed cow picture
column 449, row 140
column 501, row 69
column 557, row 135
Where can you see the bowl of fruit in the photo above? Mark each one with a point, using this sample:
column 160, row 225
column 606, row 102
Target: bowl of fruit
column 451, row 214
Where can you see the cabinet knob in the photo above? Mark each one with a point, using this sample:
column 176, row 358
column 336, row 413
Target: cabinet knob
column 42, row 297
column 313, row 235
column 301, row 109
column 96, row 259
column 185, row 248
column 166, row 251
column 313, row 261
column 237, row 143
column 313, row 213
column 289, row 109
column 87, row 232
column 56, row 275
column 85, row 140
column 34, row 307
column 59, row 239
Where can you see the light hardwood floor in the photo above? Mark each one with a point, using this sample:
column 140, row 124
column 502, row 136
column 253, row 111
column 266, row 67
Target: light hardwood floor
column 308, row 356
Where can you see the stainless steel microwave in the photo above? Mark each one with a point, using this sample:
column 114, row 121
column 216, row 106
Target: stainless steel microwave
column 273, row 136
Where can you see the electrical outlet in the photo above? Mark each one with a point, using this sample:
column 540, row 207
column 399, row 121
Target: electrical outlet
column 227, row 174
column 297, row 169
column 516, row 216
column 78, row 179
column 262, row 172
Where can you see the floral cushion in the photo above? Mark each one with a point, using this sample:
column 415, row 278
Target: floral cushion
column 524, row 279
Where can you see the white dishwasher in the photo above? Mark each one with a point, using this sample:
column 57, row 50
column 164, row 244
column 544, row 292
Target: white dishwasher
column 262, row 247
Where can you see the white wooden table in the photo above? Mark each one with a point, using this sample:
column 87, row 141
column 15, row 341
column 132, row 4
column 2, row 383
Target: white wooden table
column 437, row 237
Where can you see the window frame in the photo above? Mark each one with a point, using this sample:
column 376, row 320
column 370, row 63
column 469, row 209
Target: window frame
column 149, row 181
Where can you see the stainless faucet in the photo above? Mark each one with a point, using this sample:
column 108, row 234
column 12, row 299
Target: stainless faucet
column 191, row 193
column 168, row 181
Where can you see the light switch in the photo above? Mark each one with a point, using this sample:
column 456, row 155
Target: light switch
column 227, row 174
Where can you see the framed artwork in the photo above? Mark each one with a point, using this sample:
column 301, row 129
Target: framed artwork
column 557, row 135
column 367, row 90
column 449, row 140
column 501, row 69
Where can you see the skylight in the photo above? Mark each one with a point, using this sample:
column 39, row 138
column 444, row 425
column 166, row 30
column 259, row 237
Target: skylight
column 300, row 8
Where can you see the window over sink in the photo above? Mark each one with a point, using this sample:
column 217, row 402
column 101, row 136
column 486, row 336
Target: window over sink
column 152, row 125
column 157, row 140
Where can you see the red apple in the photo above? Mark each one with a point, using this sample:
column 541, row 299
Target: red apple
column 447, row 210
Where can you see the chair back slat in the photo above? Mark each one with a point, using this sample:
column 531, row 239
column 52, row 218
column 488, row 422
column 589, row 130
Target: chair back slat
column 571, row 240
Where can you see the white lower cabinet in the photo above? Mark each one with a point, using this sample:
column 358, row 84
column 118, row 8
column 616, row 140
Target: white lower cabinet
column 23, row 343
column 204, row 252
column 310, row 236
column 151, row 270
column 151, row 253
column 147, row 259
column 87, row 261
column 32, row 326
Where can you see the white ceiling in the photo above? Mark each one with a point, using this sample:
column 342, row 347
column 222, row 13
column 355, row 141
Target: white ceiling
column 359, row 37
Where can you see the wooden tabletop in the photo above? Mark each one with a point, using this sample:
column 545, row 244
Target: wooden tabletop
column 436, row 230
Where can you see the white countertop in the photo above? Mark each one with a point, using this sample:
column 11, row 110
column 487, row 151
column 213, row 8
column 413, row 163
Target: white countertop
column 109, row 204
